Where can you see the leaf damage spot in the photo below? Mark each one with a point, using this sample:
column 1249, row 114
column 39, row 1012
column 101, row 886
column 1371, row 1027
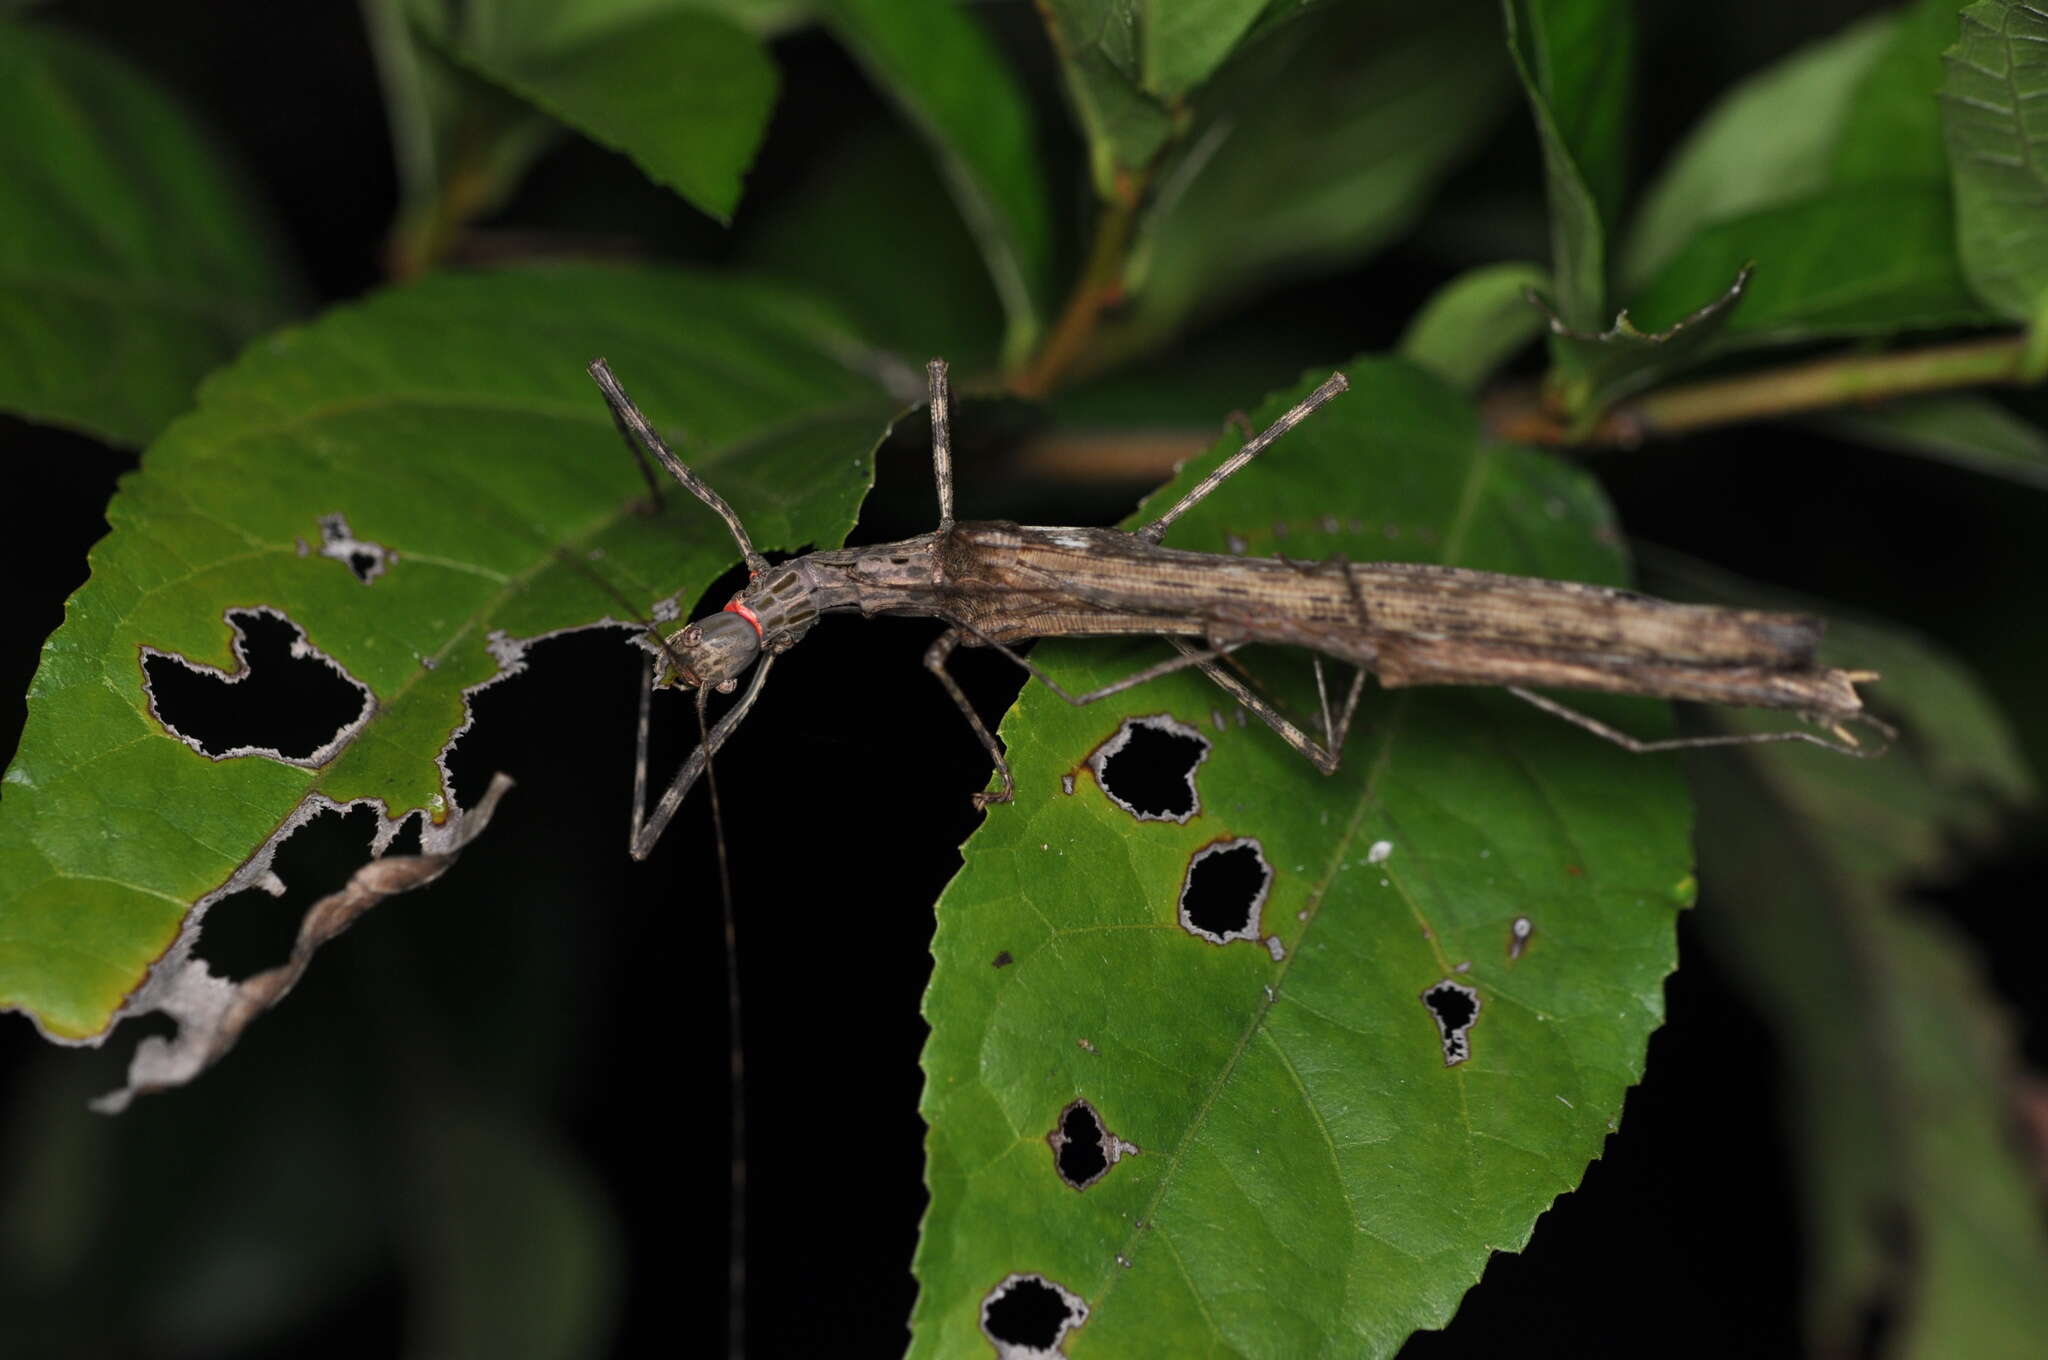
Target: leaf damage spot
column 1275, row 948
column 338, row 543
column 1518, row 936
column 1455, row 1008
column 285, row 698
column 1225, row 890
column 211, row 1012
column 1148, row 766
column 1003, row 960
column 1067, row 783
column 1027, row 1317
column 1379, row 852
column 1083, row 1148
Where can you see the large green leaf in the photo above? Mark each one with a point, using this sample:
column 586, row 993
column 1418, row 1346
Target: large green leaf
column 682, row 90
column 1310, row 1176
column 1870, row 259
column 1770, row 140
column 453, row 427
column 1892, row 130
column 131, row 251
column 1382, row 101
column 933, row 59
column 1576, row 59
column 1904, row 1077
column 1995, row 108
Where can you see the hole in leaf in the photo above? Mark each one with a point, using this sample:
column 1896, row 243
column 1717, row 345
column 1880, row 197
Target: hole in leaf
column 284, row 699
column 1148, row 768
column 1083, row 1148
column 1225, row 889
column 1026, row 1317
column 367, row 560
column 1454, row 1008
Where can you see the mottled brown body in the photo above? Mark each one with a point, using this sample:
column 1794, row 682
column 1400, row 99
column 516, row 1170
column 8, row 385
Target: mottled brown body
column 1410, row 624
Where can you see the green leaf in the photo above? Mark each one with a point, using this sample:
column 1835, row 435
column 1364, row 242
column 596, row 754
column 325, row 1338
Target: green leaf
column 1995, row 110
column 1893, row 129
column 131, row 251
column 1594, row 371
column 1126, row 128
column 954, row 87
column 869, row 216
column 1903, row 1070
column 1871, row 259
column 1575, row 58
column 1475, row 323
column 452, row 424
column 1770, row 140
column 1381, row 101
column 1186, row 40
column 1310, row 1177
column 1969, row 431
column 683, row 92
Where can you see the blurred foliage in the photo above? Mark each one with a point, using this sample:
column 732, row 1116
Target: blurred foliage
column 1134, row 216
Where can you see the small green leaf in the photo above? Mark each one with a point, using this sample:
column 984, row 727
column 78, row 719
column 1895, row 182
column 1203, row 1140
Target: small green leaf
column 1126, row 128
column 1594, row 371
column 682, row 91
column 1893, row 128
column 1309, row 1176
column 131, row 251
column 1770, row 140
column 1186, row 40
column 1475, row 323
column 1871, row 259
column 1318, row 143
column 1995, row 110
column 1969, row 431
column 942, row 70
column 451, row 424
column 1575, row 58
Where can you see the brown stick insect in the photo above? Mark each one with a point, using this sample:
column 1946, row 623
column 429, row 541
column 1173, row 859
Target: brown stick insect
column 996, row 584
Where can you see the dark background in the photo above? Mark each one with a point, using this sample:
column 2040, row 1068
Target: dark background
column 550, row 985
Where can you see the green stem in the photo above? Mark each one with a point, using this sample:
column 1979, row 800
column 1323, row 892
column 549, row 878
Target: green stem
column 1858, row 379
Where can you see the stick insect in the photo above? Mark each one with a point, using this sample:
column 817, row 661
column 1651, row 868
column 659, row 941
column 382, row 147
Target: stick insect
column 996, row 584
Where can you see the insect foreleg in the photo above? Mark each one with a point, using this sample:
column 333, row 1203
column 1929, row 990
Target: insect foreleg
column 647, row 829
column 639, row 433
column 1294, row 415
column 942, row 440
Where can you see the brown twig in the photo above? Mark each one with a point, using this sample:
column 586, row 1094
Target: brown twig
column 1100, row 287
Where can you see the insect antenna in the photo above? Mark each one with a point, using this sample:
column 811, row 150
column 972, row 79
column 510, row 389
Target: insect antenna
column 736, row 1222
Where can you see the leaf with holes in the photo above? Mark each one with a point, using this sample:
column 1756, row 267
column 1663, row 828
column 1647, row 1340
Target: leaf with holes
column 409, row 488
column 130, row 247
column 1344, row 1036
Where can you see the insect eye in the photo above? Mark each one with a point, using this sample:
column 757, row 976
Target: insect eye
column 727, row 686
column 693, row 635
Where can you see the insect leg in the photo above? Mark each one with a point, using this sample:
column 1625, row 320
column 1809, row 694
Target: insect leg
column 1843, row 745
column 1324, row 759
column 940, row 651
column 647, row 829
column 942, row 440
column 1294, row 415
column 639, row 433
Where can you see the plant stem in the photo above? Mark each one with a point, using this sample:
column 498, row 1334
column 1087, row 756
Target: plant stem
column 1858, row 379
column 1100, row 286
